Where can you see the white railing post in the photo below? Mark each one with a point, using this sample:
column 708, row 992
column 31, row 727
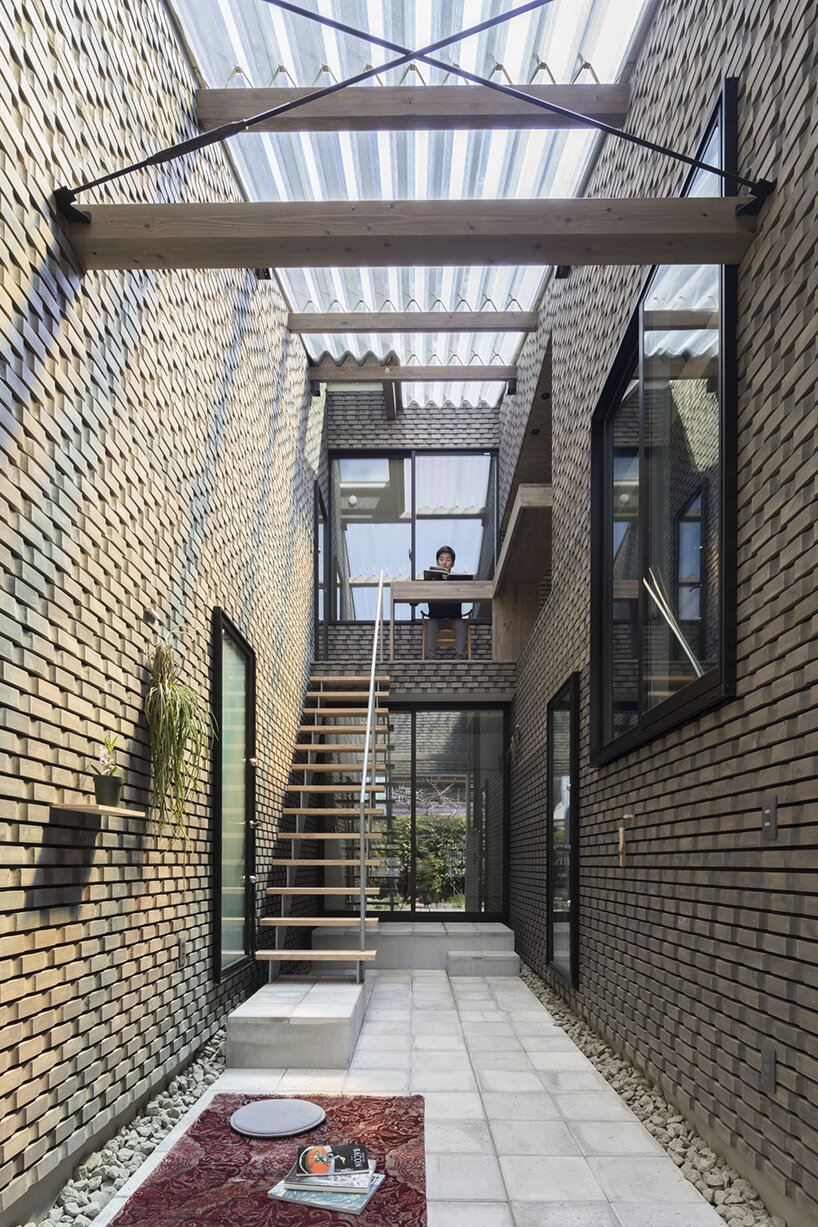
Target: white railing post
column 369, row 737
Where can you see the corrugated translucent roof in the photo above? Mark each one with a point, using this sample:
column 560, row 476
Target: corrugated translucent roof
column 270, row 46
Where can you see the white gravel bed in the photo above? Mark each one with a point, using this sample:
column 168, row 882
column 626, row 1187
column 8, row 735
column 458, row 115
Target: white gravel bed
column 103, row 1173
column 733, row 1197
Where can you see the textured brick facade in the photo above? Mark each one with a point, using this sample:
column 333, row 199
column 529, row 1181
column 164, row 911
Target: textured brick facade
column 159, row 448
column 358, row 419
column 704, row 945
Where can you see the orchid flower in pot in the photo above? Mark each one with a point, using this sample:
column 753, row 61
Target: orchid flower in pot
column 107, row 780
column 180, row 727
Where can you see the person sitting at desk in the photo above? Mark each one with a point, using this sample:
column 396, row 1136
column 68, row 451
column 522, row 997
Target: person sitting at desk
column 445, row 613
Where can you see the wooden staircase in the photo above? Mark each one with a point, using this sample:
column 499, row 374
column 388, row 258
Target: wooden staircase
column 325, row 781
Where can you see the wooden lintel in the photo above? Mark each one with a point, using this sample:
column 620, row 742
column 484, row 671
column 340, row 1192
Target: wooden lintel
column 349, row 372
column 382, row 234
column 413, row 321
column 392, row 108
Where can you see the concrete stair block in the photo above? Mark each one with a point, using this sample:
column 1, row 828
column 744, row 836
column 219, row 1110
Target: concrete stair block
column 297, row 1023
column 483, row 963
column 419, row 946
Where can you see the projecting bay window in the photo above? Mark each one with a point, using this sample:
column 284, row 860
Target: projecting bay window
column 663, row 504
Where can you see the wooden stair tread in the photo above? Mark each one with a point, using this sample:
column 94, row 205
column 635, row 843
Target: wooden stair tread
column 334, row 788
column 315, row 861
column 340, row 768
column 335, row 695
column 321, row 890
column 338, row 728
column 343, row 679
column 343, row 711
column 313, row 956
column 325, row 921
column 328, row 835
column 347, row 812
column 335, row 748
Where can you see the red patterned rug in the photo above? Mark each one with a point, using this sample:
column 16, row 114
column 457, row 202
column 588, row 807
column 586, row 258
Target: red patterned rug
column 214, row 1177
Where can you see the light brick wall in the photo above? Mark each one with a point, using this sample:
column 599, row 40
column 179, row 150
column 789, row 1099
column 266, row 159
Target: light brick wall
column 703, row 946
column 159, row 449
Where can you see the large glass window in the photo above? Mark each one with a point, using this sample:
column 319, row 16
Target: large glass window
column 395, row 511
column 563, row 832
column 662, row 456
column 234, row 797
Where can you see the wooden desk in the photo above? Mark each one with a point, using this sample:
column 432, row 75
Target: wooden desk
column 420, row 591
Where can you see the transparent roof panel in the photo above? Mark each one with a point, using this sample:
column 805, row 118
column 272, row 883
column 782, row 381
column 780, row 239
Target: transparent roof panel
column 252, row 43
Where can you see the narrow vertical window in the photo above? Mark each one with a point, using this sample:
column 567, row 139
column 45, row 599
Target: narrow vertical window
column 563, row 832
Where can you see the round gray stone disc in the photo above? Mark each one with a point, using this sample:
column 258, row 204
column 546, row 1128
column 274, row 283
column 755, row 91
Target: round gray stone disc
column 277, row 1118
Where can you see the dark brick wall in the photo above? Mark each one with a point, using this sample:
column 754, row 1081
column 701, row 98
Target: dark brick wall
column 353, row 641
column 358, row 419
column 158, row 450
column 704, row 945
column 433, row 681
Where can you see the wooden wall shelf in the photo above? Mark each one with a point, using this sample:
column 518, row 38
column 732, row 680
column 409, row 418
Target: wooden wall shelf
column 80, row 808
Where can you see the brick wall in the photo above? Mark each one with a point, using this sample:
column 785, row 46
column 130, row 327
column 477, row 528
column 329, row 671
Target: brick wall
column 353, row 641
column 358, row 419
column 159, row 450
column 704, row 945
column 433, row 681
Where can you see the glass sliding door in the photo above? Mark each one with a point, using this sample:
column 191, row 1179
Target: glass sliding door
column 234, row 798
column 445, row 826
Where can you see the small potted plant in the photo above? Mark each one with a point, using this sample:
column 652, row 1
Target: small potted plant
column 107, row 780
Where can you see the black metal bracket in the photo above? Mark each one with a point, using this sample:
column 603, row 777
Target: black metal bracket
column 562, row 271
column 64, row 198
column 761, row 189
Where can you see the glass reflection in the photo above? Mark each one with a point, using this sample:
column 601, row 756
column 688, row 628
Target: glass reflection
column 562, row 836
column 680, row 347
column 233, row 742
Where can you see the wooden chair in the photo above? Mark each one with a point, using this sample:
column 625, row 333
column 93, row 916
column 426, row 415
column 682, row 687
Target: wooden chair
column 445, row 635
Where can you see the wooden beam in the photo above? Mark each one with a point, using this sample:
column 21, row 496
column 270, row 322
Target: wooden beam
column 392, row 108
column 413, row 321
column 382, row 234
column 350, row 372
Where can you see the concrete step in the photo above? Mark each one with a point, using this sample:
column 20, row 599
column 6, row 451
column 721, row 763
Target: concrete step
column 304, row 1024
column 483, row 963
column 417, row 946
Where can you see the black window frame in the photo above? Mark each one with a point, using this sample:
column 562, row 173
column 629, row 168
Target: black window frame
column 221, row 624
column 719, row 683
column 320, row 576
column 569, row 690
column 405, row 453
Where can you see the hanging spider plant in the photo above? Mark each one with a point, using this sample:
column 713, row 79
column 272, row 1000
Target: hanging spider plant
column 180, row 727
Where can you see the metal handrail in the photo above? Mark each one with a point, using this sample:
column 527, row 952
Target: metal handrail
column 369, row 736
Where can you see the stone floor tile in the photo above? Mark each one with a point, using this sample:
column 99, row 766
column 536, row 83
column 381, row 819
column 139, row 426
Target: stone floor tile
column 558, row 1214
column 443, row 1080
column 528, row 1106
column 545, row 1138
column 458, row 1137
column 438, row 1043
column 501, row 1061
column 614, row 1138
column 452, row 1105
column 565, row 1081
column 384, row 1043
column 569, row 1180
column 640, row 1178
column 546, row 1041
column 493, row 1043
column 424, row 1062
column 374, row 1058
column 472, row 1213
column 594, row 1105
column 508, row 1080
column 298, row 1081
column 377, row 1082
column 641, row 1214
column 553, row 1061
column 450, row 1177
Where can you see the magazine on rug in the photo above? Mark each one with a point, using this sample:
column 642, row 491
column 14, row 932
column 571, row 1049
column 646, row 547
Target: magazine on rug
column 325, row 1199
column 343, row 1181
column 331, row 1159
